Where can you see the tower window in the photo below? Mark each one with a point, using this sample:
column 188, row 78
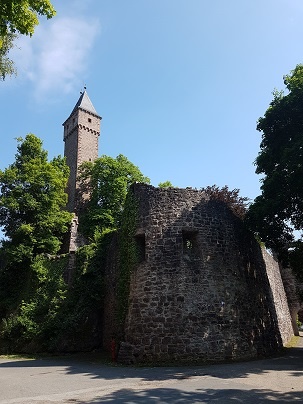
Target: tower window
column 89, row 120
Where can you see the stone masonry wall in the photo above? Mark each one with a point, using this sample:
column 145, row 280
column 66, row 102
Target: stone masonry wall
column 291, row 288
column 88, row 137
column 279, row 296
column 81, row 131
column 112, row 328
column 201, row 290
column 71, row 154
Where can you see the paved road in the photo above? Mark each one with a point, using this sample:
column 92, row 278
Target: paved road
column 45, row 381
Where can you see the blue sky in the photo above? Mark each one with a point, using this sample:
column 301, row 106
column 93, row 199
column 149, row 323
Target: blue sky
column 179, row 84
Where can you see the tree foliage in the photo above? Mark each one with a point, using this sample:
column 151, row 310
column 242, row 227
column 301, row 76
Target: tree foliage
column 278, row 211
column 32, row 198
column 236, row 203
column 165, row 184
column 6, row 64
column 19, row 17
column 107, row 180
column 53, row 317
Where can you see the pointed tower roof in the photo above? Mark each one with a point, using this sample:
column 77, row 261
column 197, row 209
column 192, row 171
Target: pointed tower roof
column 85, row 103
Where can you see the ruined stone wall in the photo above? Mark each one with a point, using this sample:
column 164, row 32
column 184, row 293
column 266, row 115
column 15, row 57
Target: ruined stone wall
column 201, row 290
column 291, row 289
column 112, row 328
column 273, row 271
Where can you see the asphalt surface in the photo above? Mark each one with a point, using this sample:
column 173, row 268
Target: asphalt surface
column 84, row 380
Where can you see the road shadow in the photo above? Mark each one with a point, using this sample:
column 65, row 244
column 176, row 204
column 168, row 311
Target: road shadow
column 291, row 362
column 223, row 396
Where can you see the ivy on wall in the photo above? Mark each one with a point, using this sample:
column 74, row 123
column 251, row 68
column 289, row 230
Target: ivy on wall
column 128, row 257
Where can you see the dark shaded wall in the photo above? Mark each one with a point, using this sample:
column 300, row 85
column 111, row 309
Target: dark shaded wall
column 201, row 290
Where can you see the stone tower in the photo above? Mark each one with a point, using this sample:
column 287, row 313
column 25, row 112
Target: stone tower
column 81, row 132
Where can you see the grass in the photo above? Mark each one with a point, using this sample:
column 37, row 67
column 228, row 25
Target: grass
column 96, row 356
column 18, row 356
column 294, row 341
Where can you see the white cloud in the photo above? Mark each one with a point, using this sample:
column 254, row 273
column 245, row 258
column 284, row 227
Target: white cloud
column 57, row 56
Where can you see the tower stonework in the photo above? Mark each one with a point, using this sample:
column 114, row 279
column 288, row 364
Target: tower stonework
column 81, row 132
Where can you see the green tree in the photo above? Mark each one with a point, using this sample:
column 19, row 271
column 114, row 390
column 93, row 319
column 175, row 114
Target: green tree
column 107, row 180
column 7, row 67
column 278, row 211
column 32, row 199
column 165, row 184
column 19, row 17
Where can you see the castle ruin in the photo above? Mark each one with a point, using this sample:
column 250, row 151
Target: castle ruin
column 202, row 289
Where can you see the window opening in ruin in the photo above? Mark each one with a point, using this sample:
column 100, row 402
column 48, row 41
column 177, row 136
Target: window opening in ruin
column 140, row 246
column 89, row 120
column 190, row 243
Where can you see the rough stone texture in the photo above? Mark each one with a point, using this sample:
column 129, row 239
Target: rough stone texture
column 201, row 291
column 290, row 285
column 273, row 270
column 111, row 326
